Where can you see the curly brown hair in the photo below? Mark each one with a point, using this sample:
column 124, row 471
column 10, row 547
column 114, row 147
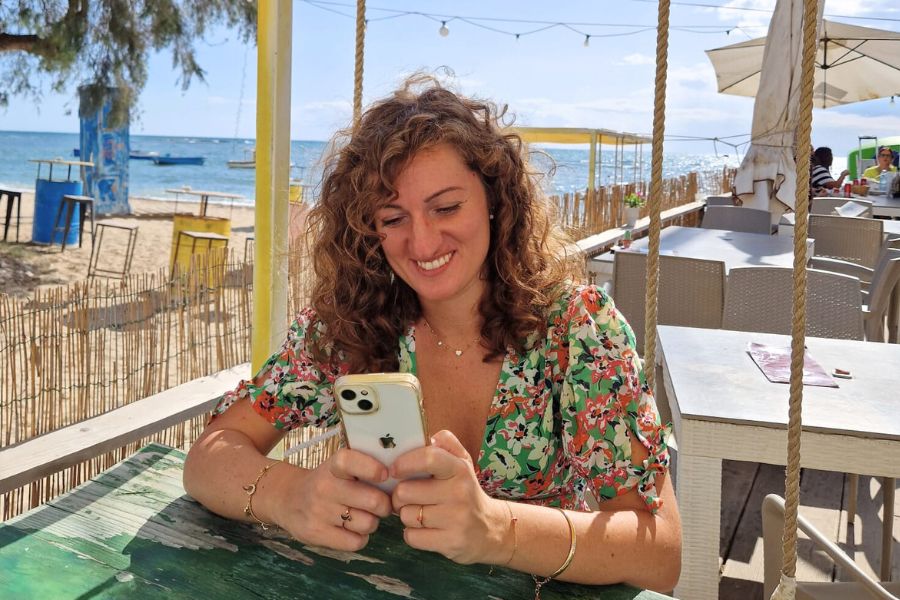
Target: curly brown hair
column 363, row 305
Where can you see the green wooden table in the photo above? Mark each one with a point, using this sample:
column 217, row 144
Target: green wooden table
column 131, row 532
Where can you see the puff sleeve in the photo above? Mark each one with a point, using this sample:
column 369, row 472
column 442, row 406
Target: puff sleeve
column 605, row 402
column 292, row 389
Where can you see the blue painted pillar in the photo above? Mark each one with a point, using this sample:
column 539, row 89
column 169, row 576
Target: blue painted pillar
column 107, row 145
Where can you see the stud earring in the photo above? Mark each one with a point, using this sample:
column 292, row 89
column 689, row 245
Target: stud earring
column 491, row 216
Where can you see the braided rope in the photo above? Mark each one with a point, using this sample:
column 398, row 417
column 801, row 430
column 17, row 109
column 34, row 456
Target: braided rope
column 798, row 324
column 358, row 70
column 655, row 201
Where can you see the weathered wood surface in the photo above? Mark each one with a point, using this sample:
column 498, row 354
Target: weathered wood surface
column 131, row 532
column 823, row 501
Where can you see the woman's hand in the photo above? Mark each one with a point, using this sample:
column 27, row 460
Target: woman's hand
column 449, row 513
column 335, row 505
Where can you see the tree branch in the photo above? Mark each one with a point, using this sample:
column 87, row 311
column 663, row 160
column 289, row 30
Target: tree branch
column 27, row 42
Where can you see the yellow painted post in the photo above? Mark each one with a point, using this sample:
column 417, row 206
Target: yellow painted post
column 273, row 157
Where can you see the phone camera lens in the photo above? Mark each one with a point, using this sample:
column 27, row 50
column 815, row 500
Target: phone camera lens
column 348, row 394
column 365, row 404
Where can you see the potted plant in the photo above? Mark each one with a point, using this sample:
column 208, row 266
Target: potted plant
column 633, row 203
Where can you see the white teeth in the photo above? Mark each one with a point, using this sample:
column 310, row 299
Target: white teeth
column 434, row 264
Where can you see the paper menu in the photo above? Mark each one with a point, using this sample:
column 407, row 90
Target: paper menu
column 775, row 363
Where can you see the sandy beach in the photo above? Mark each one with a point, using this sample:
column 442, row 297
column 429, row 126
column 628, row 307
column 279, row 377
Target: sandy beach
column 25, row 265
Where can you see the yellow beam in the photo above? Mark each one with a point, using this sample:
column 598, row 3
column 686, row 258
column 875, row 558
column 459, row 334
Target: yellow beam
column 577, row 135
column 273, row 157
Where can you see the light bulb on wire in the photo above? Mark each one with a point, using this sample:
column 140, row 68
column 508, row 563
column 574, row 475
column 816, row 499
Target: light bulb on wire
column 443, row 30
column 587, row 41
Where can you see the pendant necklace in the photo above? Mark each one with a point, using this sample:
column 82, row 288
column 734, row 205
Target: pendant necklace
column 441, row 344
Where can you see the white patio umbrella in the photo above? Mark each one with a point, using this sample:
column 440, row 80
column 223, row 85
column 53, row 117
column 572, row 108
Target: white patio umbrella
column 853, row 64
column 766, row 178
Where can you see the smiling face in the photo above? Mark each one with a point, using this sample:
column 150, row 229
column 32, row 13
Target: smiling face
column 436, row 232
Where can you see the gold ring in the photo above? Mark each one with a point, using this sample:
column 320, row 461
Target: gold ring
column 421, row 517
column 345, row 516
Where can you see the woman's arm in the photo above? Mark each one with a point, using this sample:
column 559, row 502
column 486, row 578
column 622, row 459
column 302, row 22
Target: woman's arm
column 230, row 454
column 458, row 520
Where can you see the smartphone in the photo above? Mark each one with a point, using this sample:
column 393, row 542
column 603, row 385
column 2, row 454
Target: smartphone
column 381, row 415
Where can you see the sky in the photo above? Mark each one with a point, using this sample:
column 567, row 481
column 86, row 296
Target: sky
column 547, row 78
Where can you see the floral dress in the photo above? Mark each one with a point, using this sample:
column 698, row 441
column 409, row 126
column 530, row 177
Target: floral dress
column 561, row 419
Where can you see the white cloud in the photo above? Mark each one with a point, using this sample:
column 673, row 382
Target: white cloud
column 637, row 59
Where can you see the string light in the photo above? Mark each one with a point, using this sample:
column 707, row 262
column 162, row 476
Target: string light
column 539, row 26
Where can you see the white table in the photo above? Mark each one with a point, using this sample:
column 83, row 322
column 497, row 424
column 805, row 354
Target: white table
column 735, row 249
column 884, row 206
column 723, row 407
column 204, row 196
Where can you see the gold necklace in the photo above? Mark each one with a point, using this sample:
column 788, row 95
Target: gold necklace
column 441, row 344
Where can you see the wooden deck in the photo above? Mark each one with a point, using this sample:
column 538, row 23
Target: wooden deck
column 823, row 500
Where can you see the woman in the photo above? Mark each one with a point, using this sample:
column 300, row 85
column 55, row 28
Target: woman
column 435, row 254
column 820, row 176
column 884, row 162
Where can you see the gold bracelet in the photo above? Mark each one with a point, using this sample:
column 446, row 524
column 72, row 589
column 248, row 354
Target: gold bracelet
column 539, row 583
column 251, row 489
column 512, row 523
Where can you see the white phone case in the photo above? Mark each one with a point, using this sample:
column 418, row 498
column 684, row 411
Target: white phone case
column 393, row 421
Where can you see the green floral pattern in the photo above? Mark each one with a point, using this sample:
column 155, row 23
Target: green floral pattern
column 561, row 420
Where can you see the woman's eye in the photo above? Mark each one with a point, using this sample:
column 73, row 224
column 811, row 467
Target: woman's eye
column 446, row 210
column 391, row 221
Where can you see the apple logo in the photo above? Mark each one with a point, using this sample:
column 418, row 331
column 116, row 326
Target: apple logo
column 387, row 441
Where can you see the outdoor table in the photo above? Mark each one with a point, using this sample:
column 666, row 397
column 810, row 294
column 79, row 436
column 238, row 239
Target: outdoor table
column 204, row 196
column 735, row 249
column 884, row 206
column 723, row 407
column 131, row 532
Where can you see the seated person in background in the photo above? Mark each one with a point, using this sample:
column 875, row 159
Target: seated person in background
column 820, row 176
column 884, row 158
column 434, row 252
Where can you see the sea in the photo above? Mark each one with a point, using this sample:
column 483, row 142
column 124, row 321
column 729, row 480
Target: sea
column 148, row 180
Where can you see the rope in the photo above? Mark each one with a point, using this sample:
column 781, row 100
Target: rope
column 798, row 324
column 655, row 201
column 360, row 47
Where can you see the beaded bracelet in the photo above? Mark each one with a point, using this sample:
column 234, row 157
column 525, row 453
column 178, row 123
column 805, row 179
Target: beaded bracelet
column 251, row 489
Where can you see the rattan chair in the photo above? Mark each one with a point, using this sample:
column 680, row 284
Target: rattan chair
column 737, row 218
column 759, row 299
column 852, row 239
column 720, row 200
column 863, row 585
column 691, row 291
column 826, row 206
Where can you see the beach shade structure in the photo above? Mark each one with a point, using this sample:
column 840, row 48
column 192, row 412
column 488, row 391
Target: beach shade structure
column 853, row 63
column 766, row 179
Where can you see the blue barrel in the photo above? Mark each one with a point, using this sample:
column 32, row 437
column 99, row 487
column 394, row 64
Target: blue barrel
column 47, row 198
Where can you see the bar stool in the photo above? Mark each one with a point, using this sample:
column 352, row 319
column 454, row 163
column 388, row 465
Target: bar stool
column 84, row 203
column 13, row 200
column 93, row 268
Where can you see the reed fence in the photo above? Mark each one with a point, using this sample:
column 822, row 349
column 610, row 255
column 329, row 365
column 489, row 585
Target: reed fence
column 72, row 353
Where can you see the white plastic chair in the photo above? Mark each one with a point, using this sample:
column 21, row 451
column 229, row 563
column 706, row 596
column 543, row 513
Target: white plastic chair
column 863, row 585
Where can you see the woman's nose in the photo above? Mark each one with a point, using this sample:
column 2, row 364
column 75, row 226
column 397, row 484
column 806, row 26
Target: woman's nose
column 424, row 239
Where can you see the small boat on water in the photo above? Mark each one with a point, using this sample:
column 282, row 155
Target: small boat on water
column 248, row 163
column 139, row 155
column 168, row 159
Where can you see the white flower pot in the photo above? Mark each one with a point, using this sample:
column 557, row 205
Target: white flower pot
column 631, row 216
